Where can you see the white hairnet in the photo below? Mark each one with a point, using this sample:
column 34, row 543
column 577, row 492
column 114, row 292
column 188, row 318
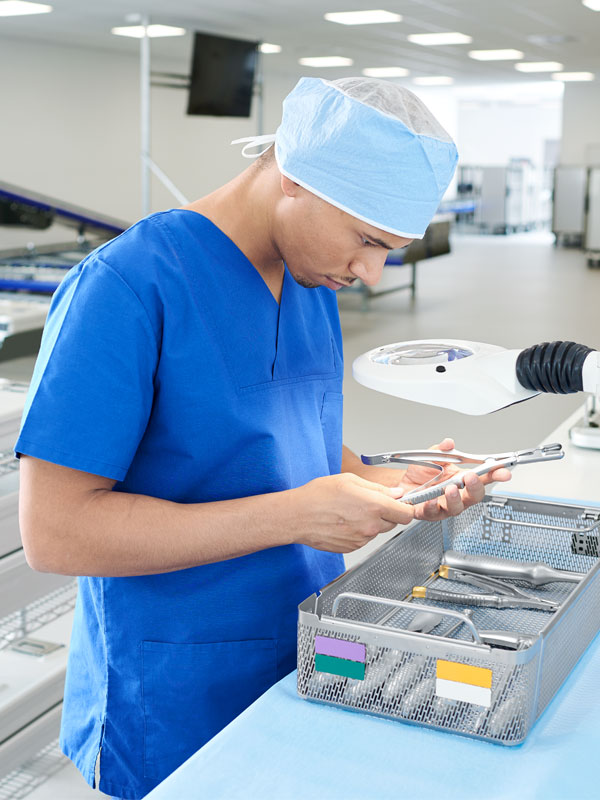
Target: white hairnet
column 396, row 102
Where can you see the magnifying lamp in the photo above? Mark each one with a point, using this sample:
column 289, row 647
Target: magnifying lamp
column 478, row 378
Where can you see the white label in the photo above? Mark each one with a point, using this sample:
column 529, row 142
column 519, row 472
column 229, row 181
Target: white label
column 454, row 690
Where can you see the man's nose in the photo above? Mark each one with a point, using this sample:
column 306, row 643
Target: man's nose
column 369, row 268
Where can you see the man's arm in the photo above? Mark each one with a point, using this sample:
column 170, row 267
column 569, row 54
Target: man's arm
column 73, row 523
column 385, row 475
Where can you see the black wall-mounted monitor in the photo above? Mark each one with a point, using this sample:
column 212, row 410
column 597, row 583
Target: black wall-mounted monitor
column 222, row 76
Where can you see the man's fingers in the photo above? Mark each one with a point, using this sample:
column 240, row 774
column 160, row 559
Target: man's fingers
column 474, row 490
column 397, row 512
column 454, row 500
column 445, row 444
column 501, row 474
column 420, row 475
column 387, row 497
column 454, row 503
column 387, row 526
column 431, row 510
column 390, row 491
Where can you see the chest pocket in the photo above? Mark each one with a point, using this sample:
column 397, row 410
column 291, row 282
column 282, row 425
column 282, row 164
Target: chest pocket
column 291, row 365
column 265, row 344
column 331, row 422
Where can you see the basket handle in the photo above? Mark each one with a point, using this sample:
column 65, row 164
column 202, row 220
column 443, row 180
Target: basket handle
column 369, row 598
column 490, row 518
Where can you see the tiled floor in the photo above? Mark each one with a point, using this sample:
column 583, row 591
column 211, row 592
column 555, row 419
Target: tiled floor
column 513, row 291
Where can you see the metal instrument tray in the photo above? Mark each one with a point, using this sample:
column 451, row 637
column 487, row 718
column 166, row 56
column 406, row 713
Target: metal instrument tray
column 385, row 669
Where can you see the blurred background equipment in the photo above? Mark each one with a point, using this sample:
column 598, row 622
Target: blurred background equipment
column 48, row 237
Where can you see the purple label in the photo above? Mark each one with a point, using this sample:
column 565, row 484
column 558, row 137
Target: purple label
column 339, row 648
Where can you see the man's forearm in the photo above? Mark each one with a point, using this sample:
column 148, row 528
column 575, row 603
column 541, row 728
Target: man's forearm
column 75, row 530
column 351, row 462
column 163, row 536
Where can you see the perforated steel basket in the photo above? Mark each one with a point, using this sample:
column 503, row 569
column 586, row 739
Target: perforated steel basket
column 354, row 649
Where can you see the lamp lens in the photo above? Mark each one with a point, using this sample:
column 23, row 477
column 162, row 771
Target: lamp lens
column 419, row 354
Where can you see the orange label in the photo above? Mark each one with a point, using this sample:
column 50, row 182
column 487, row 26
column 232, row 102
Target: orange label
column 464, row 673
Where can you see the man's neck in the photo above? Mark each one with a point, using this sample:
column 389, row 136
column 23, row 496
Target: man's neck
column 242, row 210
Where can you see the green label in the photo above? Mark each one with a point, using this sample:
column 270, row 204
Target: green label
column 340, row 666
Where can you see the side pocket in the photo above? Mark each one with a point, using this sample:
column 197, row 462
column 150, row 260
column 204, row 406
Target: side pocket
column 331, row 422
column 191, row 691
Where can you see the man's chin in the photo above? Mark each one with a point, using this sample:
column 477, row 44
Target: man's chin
column 305, row 282
column 325, row 281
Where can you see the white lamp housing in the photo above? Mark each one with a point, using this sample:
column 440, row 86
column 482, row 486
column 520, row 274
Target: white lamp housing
column 470, row 377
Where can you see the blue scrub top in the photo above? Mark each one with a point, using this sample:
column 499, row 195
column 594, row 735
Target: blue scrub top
column 167, row 365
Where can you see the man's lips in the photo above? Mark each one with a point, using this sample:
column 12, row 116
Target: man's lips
column 331, row 284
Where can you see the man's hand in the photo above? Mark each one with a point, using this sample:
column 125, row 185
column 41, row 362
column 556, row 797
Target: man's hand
column 454, row 500
column 341, row 513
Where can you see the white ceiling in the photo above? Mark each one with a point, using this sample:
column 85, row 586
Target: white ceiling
column 299, row 27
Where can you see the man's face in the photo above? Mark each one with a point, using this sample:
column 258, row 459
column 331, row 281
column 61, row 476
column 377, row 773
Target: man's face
column 324, row 246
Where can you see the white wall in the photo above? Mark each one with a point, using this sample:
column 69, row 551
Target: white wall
column 70, row 128
column 492, row 135
column 499, row 123
column 581, row 124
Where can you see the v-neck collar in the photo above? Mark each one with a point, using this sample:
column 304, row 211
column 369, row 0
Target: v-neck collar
column 264, row 343
column 242, row 257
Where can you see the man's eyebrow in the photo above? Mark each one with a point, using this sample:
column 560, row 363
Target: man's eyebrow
column 380, row 242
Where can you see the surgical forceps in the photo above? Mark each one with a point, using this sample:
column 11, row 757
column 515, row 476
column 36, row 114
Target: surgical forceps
column 439, row 459
column 484, row 600
column 495, row 585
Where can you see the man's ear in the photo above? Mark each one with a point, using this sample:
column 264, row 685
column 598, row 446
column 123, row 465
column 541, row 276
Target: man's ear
column 288, row 187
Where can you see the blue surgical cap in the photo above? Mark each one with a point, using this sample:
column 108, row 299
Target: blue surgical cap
column 369, row 147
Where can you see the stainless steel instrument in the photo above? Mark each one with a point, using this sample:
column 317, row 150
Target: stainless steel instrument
column 439, row 459
column 537, row 574
column 487, row 582
column 509, row 639
column 424, row 621
column 453, row 628
column 483, row 600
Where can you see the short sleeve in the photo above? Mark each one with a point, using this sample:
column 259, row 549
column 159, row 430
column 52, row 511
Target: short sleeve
column 93, row 385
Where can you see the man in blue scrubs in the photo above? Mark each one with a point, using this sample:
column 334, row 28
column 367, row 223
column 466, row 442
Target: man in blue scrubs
column 181, row 446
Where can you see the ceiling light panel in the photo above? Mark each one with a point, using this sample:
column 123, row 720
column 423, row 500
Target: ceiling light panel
column 375, row 16
column 432, row 39
column 496, row 55
column 539, row 66
column 153, row 31
column 19, row 8
column 385, row 72
column 593, row 5
column 573, row 76
column 267, row 47
column 326, row 61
